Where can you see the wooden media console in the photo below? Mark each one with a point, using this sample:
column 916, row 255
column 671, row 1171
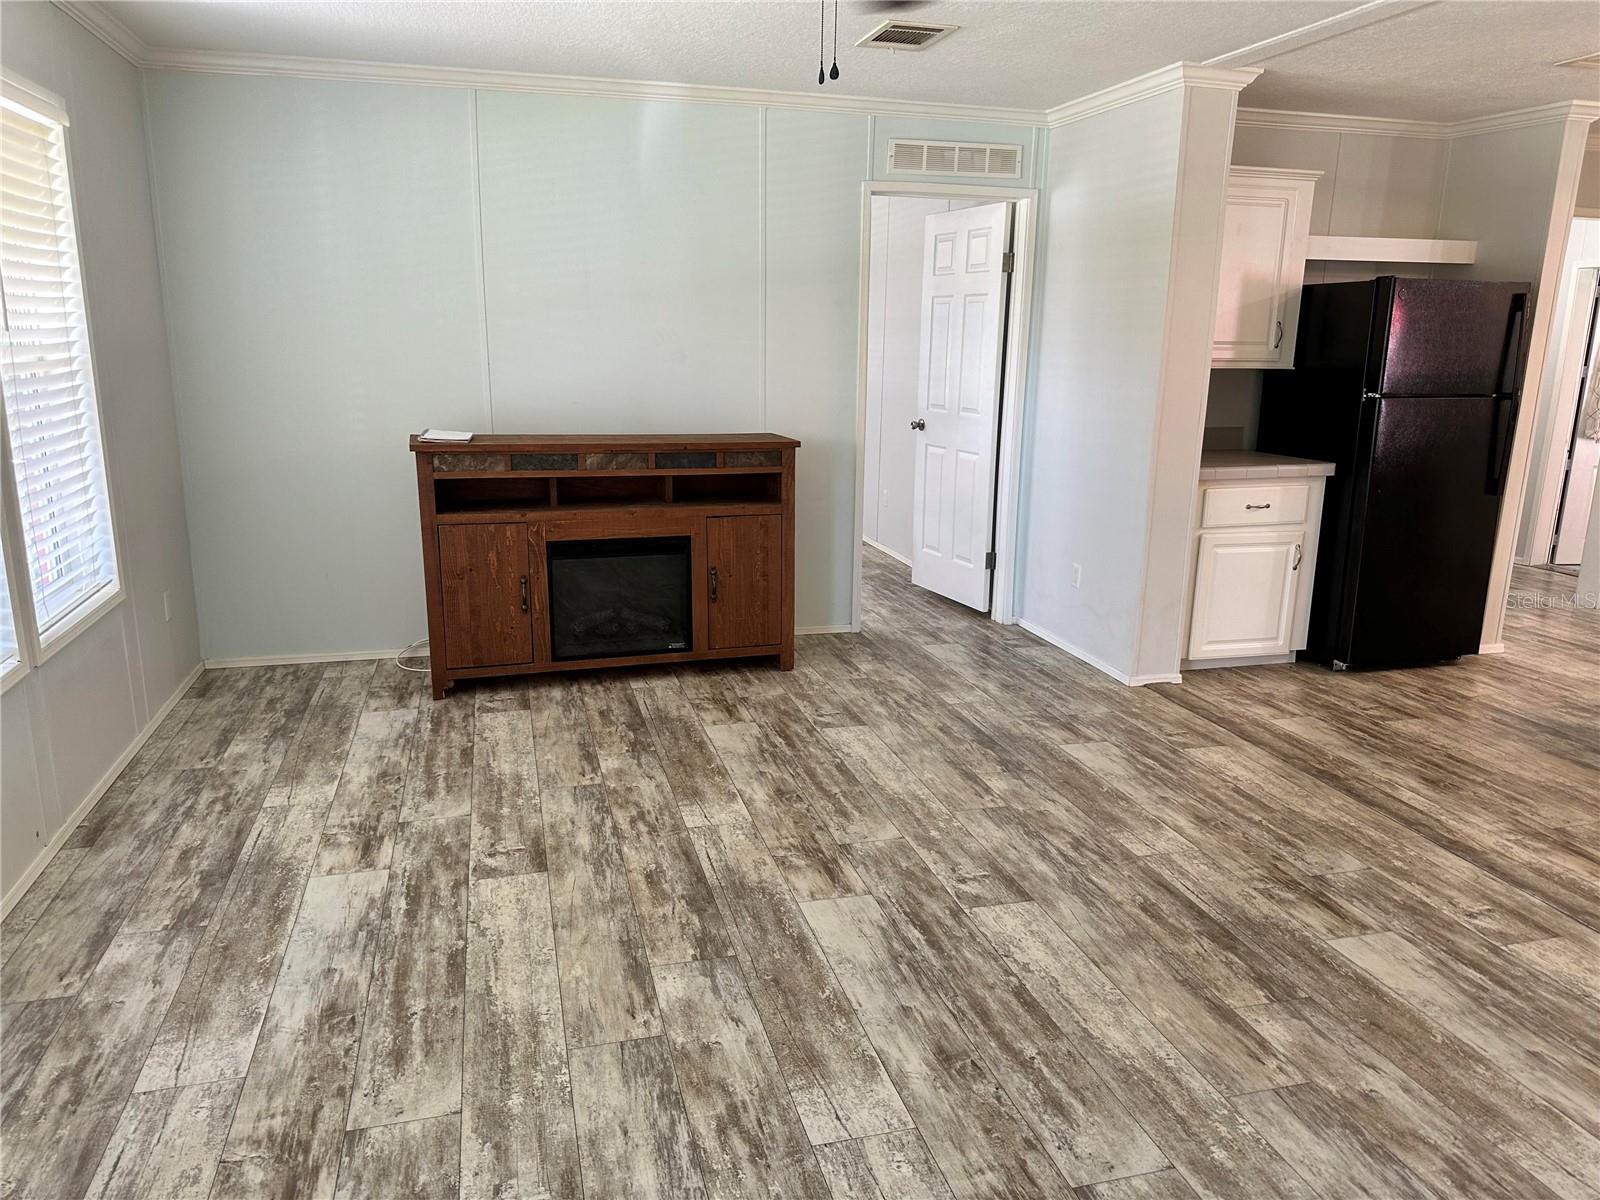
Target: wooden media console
column 564, row 552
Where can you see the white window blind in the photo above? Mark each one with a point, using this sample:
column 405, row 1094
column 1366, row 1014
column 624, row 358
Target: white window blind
column 51, row 416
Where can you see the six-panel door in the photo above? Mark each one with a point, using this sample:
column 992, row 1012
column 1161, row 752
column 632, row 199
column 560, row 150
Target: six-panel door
column 744, row 561
column 483, row 570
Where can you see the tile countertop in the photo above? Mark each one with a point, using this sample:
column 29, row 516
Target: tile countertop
column 1249, row 464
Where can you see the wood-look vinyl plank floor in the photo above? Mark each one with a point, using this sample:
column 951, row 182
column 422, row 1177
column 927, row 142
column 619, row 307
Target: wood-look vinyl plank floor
column 942, row 914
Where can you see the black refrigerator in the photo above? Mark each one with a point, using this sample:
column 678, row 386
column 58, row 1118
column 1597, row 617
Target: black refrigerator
column 1410, row 387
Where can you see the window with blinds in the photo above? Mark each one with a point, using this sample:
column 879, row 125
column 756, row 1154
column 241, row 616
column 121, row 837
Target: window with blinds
column 67, row 554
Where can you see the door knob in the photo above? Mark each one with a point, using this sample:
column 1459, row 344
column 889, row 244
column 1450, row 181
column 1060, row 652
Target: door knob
column 919, row 423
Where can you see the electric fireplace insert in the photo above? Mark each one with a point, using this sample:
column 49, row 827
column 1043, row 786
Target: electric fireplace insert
column 618, row 597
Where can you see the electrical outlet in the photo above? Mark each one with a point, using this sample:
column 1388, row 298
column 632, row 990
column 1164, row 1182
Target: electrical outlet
column 166, row 605
column 1077, row 575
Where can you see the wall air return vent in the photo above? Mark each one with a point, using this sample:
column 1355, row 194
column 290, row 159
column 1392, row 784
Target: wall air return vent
column 968, row 159
column 906, row 35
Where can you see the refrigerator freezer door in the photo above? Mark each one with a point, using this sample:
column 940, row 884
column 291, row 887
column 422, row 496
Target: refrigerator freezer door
column 1428, row 502
column 1442, row 337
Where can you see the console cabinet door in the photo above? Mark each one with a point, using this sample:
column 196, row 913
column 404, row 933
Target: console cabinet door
column 1244, row 593
column 744, row 594
column 483, row 571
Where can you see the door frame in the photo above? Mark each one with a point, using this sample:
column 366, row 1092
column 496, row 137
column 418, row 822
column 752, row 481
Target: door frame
column 1013, row 382
column 1546, row 480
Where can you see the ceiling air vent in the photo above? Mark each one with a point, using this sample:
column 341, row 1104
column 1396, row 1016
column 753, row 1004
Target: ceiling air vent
column 971, row 159
column 906, row 35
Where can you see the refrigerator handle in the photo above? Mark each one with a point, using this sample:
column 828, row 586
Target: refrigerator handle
column 1511, row 354
column 1505, row 431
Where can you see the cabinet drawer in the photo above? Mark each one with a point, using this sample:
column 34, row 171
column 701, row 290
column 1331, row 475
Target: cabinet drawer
column 1260, row 504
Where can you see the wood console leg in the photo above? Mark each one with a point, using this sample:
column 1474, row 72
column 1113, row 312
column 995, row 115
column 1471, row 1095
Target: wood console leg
column 786, row 659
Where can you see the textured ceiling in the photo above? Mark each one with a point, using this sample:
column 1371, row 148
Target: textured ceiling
column 1445, row 61
column 1013, row 55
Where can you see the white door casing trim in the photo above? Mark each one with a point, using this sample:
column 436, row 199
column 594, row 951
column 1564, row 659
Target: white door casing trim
column 1013, row 385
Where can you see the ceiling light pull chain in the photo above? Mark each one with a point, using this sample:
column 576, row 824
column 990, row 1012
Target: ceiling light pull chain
column 822, row 40
column 834, row 73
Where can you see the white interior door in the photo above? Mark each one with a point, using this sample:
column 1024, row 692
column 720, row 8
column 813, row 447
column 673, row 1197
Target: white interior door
column 958, row 400
column 1574, row 517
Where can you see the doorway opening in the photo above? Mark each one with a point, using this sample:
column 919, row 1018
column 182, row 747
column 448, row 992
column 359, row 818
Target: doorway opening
column 1577, row 484
column 946, row 284
column 1566, row 449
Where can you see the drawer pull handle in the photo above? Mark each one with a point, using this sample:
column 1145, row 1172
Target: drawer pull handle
column 1254, row 507
column 713, row 585
column 1296, row 566
column 524, row 582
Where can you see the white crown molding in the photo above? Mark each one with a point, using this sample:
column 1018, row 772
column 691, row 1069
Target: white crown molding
column 97, row 19
column 1363, row 15
column 1270, row 118
column 1155, row 83
column 1563, row 110
column 565, row 85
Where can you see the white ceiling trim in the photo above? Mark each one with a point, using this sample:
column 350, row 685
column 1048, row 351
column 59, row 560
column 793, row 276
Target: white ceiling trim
column 1271, row 118
column 98, row 21
column 1371, row 13
column 1567, row 110
column 211, row 62
column 1165, row 79
column 1544, row 114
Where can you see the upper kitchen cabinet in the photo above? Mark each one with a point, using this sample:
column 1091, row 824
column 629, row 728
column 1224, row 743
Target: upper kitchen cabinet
column 1266, row 228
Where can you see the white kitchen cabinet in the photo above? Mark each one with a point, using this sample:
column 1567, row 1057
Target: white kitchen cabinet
column 1254, row 557
column 1246, row 583
column 1265, row 230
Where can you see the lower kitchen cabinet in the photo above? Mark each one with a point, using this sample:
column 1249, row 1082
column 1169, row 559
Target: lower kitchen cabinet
column 1245, row 588
column 1254, row 559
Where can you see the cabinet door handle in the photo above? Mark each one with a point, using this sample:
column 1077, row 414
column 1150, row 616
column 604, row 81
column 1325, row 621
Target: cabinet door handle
column 1255, row 507
column 1296, row 566
column 713, row 585
column 1278, row 341
column 524, row 582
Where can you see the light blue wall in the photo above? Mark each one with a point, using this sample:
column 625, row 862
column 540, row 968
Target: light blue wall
column 621, row 243
column 815, row 164
column 346, row 263
column 319, row 257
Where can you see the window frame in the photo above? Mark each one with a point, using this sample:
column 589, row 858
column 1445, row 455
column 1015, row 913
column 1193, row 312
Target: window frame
column 34, row 649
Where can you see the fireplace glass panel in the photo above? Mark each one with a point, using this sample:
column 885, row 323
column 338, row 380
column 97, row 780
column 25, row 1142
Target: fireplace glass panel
column 615, row 597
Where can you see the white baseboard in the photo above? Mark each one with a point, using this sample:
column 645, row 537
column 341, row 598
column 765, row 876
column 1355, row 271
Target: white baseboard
column 1260, row 660
column 1492, row 648
column 75, row 818
column 882, row 549
column 283, row 660
column 828, row 629
column 1061, row 643
column 1146, row 680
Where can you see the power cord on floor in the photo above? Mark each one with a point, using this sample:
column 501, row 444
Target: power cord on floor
column 399, row 659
